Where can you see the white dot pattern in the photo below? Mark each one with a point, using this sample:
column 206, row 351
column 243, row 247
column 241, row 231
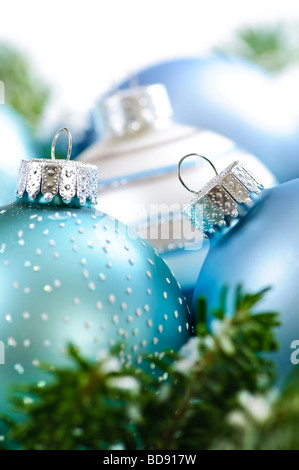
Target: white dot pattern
column 72, row 275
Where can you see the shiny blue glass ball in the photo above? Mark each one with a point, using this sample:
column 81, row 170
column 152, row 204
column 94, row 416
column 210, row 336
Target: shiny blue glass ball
column 75, row 275
column 261, row 250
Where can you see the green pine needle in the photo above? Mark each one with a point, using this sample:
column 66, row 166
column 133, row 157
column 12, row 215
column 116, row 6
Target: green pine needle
column 273, row 47
column 195, row 400
column 24, row 90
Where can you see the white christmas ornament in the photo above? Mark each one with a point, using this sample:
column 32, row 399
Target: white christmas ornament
column 138, row 160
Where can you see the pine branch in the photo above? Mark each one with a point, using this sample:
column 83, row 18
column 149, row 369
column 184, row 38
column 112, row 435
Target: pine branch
column 272, row 47
column 185, row 405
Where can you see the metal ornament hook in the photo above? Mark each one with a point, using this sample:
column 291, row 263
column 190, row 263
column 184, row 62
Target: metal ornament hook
column 180, row 164
column 54, row 143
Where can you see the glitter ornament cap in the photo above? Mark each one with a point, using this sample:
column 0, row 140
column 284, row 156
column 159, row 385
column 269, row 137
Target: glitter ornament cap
column 221, row 197
column 44, row 179
column 134, row 109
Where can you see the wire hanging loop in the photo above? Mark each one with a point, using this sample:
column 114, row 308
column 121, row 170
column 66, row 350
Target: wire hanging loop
column 54, row 143
column 180, row 164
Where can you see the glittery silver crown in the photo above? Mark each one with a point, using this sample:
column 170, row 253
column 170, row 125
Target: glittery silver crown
column 220, row 198
column 52, row 177
column 128, row 111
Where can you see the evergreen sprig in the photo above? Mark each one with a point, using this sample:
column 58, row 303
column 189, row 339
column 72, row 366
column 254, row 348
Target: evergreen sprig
column 215, row 393
column 273, row 47
column 24, row 90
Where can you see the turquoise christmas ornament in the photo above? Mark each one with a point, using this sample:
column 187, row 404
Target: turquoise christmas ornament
column 261, row 250
column 71, row 274
column 15, row 142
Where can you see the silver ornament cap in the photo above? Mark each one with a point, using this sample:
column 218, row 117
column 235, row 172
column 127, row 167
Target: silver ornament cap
column 134, row 109
column 51, row 177
column 222, row 196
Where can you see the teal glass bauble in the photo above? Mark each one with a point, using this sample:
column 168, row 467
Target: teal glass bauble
column 261, row 250
column 71, row 274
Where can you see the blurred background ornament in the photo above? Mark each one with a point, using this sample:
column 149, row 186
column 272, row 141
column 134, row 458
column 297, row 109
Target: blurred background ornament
column 138, row 158
column 260, row 250
column 72, row 274
column 235, row 98
column 16, row 142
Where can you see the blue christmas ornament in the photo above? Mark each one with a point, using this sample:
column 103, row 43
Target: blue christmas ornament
column 71, row 274
column 236, row 99
column 261, row 250
column 15, row 143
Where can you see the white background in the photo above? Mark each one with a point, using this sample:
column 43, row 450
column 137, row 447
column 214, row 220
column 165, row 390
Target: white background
column 81, row 47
